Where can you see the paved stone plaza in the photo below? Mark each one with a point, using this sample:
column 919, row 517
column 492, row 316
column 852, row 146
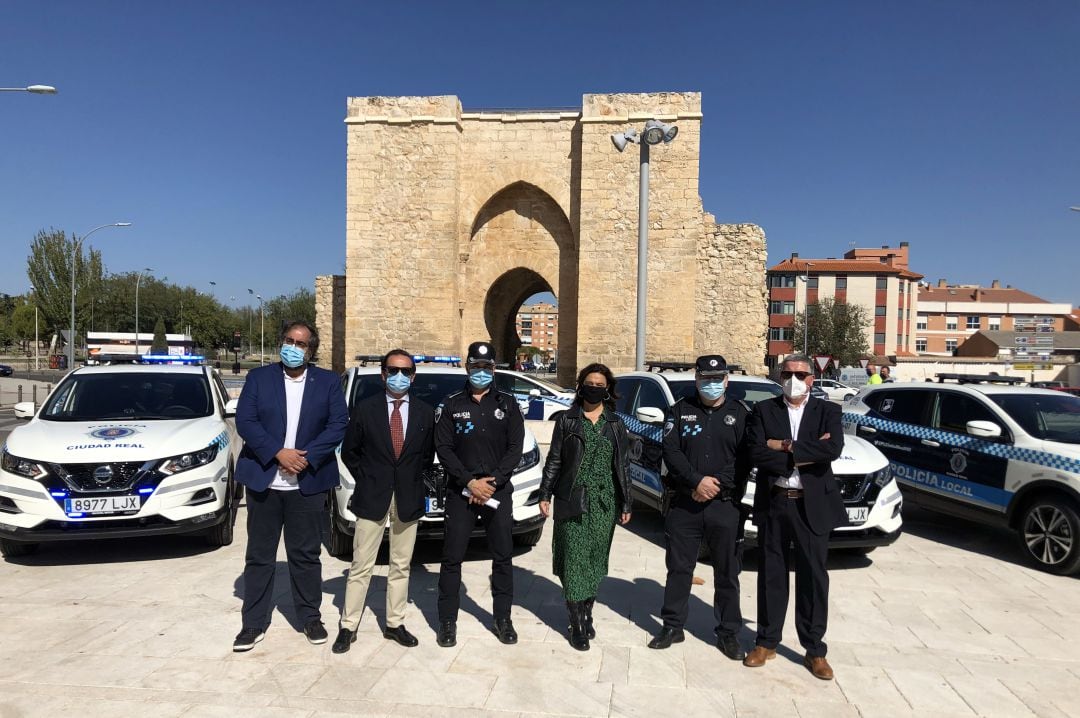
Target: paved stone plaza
column 935, row 625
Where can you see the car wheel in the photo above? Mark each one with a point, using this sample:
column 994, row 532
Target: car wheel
column 529, row 538
column 1049, row 533
column 340, row 544
column 222, row 534
column 14, row 549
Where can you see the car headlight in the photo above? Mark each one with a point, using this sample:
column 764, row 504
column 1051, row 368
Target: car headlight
column 22, row 467
column 528, row 460
column 183, row 462
column 881, row 476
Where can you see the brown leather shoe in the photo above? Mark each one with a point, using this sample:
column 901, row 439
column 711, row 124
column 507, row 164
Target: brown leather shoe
column 757, row 657
column 819, row 667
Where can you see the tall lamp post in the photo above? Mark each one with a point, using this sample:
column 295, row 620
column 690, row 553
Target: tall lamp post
column 262, row 331
column 252, row 293
column 654, row 133
column 37, row 344
column 138, row 280
column 806, row 307
column 32, row 89
column 76, row 248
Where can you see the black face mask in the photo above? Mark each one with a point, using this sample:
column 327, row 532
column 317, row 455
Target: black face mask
column 593, row 394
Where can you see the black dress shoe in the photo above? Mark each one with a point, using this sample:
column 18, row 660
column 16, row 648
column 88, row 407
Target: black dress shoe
column 729, row 646
column 504, row 629
column 343, row 642
column 315, row 632
column 447, row 635
column 666, row 637
column 402, row 636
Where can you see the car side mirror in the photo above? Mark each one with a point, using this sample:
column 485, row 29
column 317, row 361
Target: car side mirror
column 650, row 415
column 984, row 429
column 24, row 410
column 230, row 407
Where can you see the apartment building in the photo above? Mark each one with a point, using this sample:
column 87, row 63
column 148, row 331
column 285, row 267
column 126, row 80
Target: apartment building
column 878, row 279
column 538, row 326
column 948, row 314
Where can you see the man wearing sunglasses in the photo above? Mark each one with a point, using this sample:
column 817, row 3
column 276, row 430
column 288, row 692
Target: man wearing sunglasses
column 794, row 439
column 291, row 416
column 388, row 446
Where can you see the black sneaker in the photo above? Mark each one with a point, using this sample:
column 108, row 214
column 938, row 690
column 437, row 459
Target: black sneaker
column 246, row 639
column 315, row 632
column 447, row 634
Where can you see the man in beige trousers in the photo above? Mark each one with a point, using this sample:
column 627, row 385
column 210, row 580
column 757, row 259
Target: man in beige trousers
column 387, row 447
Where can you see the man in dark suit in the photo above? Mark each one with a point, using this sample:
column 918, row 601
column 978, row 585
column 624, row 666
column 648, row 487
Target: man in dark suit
column 794, row 440
column 291, row 417
column 388, row 446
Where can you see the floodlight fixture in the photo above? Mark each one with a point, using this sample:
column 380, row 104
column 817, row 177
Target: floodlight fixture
column 621, row 139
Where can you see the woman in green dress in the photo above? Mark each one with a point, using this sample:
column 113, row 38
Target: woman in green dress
column 587, row 473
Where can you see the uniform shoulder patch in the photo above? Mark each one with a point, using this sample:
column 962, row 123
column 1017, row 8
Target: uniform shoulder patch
column 668, row 426
column 438, row 413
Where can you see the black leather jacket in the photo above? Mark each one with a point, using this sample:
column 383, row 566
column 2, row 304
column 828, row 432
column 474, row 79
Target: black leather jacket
column 567, row 448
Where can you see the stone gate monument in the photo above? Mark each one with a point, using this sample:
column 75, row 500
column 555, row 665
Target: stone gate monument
column 453, row 218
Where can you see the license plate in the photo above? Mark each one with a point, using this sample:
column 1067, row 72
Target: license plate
column 103, row 505
column 858, row 515
column 432, row 505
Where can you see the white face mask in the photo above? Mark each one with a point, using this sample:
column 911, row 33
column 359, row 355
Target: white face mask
column 795, row 388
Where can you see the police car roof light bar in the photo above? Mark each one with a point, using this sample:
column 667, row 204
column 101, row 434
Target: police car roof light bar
column 978, row 378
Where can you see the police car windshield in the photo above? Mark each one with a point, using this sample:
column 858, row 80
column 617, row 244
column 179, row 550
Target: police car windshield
column 427, row 386
column 1051, row 418
column 142, row 395
column 750, row 392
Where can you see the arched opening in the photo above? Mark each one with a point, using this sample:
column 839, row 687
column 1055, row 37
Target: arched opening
column 520, row 244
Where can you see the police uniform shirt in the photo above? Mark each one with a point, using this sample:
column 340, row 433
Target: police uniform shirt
column 704, row 441
column 482, row 438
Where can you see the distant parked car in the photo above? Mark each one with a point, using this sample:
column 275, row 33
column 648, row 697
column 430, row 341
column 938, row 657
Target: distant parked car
column 837, row 391
column 5, row 370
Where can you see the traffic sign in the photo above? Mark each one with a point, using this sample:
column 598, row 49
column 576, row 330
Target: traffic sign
column 822, row 361
column 1021, row 340
column 1042, row 340
column 864, row 363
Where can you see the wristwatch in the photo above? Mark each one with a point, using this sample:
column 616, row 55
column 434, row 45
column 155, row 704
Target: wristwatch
column 785, row 445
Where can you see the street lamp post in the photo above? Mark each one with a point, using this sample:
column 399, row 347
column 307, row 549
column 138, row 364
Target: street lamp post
column 654, row 133
column 37, row 365
column 138, row 280
column 806, row 307
column 250, row 313
column 76, row 248
column 32, row 89
column 262, row 331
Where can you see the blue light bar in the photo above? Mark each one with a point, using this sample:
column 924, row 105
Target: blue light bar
column 173, row 359
column 59, row 494
column 149, row 490
column 76, row 516
column 436, row 359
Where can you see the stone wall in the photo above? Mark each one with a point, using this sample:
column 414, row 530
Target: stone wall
column 453, row 218
column 732, row 299
column 329, row 315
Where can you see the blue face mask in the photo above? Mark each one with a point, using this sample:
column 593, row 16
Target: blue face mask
column 713, row 390
column 291, row 356
column 398, row 383
column 481, row 378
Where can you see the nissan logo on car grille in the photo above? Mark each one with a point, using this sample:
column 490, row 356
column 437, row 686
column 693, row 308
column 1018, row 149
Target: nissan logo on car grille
column 103, row 475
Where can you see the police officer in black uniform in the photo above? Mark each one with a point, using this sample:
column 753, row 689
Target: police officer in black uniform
column 708, row 462
column 479, row 434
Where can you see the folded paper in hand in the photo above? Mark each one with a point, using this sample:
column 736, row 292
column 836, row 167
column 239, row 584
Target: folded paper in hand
column 492, row 503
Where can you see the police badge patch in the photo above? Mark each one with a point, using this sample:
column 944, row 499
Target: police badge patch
column 668, row 426
column 500, row 414
column 438, row 413
column 729, row 419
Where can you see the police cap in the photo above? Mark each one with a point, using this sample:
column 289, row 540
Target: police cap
column 480, row 352
column 711, row 365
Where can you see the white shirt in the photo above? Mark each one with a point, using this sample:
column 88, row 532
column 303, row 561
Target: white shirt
column 294, row 397
column 794, row 415
column 404, row 409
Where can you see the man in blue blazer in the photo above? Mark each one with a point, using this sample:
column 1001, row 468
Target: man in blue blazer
column 291, row 417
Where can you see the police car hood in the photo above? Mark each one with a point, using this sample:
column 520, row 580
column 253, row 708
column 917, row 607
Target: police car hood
column 859, row 457
column 88, row 442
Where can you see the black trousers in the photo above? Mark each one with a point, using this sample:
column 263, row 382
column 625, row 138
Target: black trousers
column 786, row 523
column 458, row 523
column 688, row 523
column 302, row 518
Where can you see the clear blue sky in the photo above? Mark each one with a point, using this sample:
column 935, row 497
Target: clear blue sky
column 216, row 128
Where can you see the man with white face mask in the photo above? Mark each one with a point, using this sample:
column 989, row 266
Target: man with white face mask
column 794, row 440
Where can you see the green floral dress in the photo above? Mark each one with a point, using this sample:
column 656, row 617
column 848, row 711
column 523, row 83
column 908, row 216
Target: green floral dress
column 580, row 545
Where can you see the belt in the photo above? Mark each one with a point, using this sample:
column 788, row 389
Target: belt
column 789, row 493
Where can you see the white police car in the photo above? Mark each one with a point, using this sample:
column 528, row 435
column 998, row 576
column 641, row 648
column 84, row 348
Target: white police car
column 539, row 399
column 870, row 494
column 993, row 453
column 432, row 384
column 121, row 450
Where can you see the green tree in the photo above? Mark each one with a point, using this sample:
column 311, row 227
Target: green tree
column 49, row 268
column 21, row 326
column 285, row 308
column 836, row 329
column 160, row 345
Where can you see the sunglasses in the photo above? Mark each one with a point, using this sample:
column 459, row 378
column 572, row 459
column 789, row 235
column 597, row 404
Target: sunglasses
column 406, row 370
column 800, row 375
column 293, row 342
